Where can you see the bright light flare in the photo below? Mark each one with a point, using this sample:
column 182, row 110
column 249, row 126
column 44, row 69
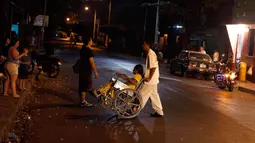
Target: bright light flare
column 233, row 31
column 86, row 8
column 233, row 76
column 67, row 19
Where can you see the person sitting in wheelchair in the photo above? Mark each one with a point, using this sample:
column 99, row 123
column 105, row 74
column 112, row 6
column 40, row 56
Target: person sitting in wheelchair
column 130, row 81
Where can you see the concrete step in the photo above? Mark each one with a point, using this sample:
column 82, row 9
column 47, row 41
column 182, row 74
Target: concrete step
column 247, row 90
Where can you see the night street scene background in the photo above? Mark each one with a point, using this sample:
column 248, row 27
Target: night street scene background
column 206, row 59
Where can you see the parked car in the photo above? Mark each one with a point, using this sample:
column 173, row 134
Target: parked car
column 61, row 34
column 194, row 63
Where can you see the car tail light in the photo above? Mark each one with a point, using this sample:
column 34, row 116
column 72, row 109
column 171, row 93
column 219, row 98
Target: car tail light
column 193, row 64
column 212, row 67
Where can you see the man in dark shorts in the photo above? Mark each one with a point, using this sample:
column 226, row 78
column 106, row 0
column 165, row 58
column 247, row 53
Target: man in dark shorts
column 87, row 64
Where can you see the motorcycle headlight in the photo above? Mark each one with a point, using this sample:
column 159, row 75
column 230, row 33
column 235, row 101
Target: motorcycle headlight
column 233, row 75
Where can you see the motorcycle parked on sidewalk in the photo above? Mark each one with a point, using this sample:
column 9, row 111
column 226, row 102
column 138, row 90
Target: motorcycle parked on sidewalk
column 50, row 65
column 224, row 77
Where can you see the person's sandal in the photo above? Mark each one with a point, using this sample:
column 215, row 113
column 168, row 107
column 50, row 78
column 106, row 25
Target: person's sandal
column 16, row 96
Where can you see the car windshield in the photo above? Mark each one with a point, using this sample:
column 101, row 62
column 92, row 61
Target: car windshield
column 202, row 57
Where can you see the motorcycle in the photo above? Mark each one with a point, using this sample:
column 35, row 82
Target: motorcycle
column 224, row 77
column 50, row 65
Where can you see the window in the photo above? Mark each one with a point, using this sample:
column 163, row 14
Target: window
column 198, row 56
column 244, row 14
column 238, row 4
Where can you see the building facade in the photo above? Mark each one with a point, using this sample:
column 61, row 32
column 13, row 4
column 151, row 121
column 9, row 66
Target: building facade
column 242, row 33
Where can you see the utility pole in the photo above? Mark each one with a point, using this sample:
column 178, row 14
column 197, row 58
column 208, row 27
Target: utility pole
column 109, row 21
column 145, row 23
column 156, row 25
column 43, row 25
column 110, row 12
column 11, row 21
column 98, row 24
column 95, row 23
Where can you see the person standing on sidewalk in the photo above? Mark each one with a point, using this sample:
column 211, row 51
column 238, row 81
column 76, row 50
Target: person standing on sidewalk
column 87, row 64
column 11, row 68
column 151, row 80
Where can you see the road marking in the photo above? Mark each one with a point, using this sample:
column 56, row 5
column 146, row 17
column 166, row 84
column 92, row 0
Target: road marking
column 169, row 88
column 170, row 78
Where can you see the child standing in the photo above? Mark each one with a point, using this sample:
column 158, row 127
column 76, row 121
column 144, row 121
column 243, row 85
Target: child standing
column 23, row 70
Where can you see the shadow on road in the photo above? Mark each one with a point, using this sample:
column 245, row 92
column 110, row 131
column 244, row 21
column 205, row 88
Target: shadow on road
column 127, row 131
column 135, row 130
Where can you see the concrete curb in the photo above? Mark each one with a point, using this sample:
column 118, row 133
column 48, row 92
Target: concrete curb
column 7, row 125
column 246, row 90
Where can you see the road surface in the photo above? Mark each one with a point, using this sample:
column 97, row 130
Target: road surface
column 195, row 111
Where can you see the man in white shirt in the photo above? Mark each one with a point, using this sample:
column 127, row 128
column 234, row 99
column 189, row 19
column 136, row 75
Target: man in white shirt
column 216, row 56
column 202, row 50
column 151, row 80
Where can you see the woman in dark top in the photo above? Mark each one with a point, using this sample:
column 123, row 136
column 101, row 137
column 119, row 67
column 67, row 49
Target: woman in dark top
column 87, row 64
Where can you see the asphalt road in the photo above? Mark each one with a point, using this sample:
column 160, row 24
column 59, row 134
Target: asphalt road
column 195, row 111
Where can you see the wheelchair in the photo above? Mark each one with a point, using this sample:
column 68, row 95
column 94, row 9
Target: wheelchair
column 124, row 101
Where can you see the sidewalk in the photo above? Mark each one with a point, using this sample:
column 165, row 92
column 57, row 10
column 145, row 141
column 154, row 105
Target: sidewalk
column 8, row 109
column 247, row 87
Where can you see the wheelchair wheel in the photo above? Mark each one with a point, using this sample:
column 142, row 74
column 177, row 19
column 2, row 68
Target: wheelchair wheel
column 127, row 103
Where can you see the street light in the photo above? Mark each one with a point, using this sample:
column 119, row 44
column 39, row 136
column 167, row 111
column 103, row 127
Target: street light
column 67, row 19
column 86, row 8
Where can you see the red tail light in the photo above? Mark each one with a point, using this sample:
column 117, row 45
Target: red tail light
column 212, row 67
column 193, row 64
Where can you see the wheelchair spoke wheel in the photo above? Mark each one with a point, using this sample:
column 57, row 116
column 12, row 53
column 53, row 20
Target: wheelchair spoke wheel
column 127, row 103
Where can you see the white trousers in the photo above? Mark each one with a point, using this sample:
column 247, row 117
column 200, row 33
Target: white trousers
column 151, row 91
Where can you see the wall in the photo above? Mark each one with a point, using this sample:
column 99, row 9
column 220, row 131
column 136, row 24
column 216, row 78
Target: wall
column 244, row 11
